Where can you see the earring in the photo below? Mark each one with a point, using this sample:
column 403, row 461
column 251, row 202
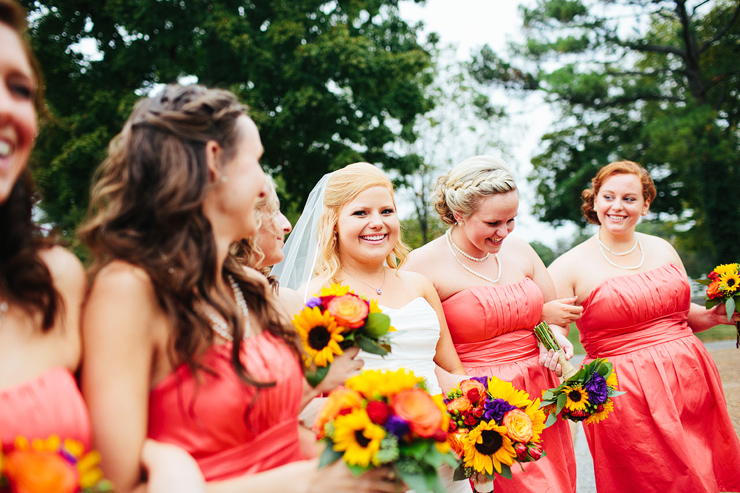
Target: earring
column 223, row 179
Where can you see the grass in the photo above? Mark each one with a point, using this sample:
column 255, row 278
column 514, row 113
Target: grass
column 718, row 333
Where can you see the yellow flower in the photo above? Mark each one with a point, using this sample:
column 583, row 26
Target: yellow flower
column 729, row 283
column 87, row 467
column 487, row 447
column 375, row 384
column 577, row 398
column 600, row 416
column 358, row 437
column 504, row 390
column 538, row 417
column 334, row 290
column 724, row 269
column 320, row 334
column 611, row 380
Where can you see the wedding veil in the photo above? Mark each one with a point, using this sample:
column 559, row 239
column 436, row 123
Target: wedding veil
column 301, row 249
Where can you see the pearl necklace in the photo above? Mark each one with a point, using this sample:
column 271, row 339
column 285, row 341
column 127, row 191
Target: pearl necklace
column 220, row 326
column 638, row 243
column 619, row 254
column 377, row 290
column 477, row 274
column 474, row 259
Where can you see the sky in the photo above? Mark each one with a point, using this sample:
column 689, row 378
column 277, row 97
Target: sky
column 468, row 25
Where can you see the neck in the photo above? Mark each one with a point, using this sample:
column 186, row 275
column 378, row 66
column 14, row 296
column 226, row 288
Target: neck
column 367, row 269
column 627, row 238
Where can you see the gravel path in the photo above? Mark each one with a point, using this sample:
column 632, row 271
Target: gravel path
column 727, row 358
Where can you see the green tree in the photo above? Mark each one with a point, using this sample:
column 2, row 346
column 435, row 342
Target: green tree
column 646, row 80
column 328, row 83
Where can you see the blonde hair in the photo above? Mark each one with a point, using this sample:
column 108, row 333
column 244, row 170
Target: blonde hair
column 247, row 250
column 460, row 189
column 342, row 188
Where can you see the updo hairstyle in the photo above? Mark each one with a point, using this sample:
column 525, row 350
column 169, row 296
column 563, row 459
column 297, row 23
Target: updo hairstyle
column 460, row 189
column 618, row 167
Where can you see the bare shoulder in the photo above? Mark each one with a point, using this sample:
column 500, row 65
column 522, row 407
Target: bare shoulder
column 66, row 270
column 567, row 262
column 660, row 247
column 290, row 300
column 421, row 258
column 419, row 282
column 120, row 287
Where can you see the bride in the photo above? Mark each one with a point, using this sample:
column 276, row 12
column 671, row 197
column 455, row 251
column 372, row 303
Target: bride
column 356, row 241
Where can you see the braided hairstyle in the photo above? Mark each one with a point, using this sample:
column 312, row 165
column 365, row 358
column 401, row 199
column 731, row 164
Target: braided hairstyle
column 460, row 189
column 146, row 209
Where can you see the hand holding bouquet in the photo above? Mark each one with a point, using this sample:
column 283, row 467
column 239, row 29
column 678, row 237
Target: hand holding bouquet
column 51, row 466
column 723, row 286
column 336, row 320
column 387, row 418
column 587, row 395
column 544, row 334
column 493, row 425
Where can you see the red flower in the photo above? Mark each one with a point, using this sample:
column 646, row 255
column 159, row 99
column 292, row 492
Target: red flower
column 713, row 290
column 466, row 386
column 521, row 451
column 379, row 412
column 470, row 420
column 473, row 395
column 535, row 451
column 453, row 425
column 713, row 276
column 478, row 411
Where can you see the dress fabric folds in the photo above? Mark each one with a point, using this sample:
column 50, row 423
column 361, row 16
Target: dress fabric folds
column 48, row 404
column 671, row 431
column 491, row 327
column 229, row 427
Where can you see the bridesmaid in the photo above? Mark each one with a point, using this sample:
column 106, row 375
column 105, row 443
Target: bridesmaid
column 183, row 344
column 493, row 287
column 671, row 430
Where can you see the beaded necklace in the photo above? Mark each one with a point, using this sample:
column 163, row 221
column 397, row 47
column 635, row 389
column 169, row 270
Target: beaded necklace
column 220, row 326
column 477, row 274
column 603, row 249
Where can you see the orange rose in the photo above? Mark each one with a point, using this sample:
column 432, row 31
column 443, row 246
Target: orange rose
column 473, row 390
column 349, row 310
column 713, row 290
column 420, row 411
column 460, row 405
column 31, row 471
column 456, row 441
column 518, row 426
column 340, row 401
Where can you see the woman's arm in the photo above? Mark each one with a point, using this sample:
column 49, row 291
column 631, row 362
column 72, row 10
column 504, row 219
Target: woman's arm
column 701, row 319
column 119, row 352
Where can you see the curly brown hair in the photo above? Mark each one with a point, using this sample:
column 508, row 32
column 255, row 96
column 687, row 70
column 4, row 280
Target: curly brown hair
column 618, row 167
column 146, row 209
column 24, row 277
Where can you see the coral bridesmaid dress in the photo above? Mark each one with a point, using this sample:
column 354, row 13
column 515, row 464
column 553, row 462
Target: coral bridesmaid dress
column 491, row 327
column 49, row 404
column 231, row 428
column 671, row 430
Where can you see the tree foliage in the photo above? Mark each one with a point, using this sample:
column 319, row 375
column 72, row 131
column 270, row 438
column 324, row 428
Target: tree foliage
column 651, row 81
column 328, row 83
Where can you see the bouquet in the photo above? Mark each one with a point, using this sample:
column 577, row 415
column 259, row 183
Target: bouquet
column 723, row 286
column 544, row 334
column 335, row 320
column 387, row 418
column 51, row 466
column 493, row 425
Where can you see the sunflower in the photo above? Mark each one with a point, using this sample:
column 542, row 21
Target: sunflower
column 611, row 381
column 724, row 269
column 334, row 290
column 577, row 398
column 320, row 334
column 506, row 391
column 375, row 384
column 729, row 282
column 487, row 447
column 358, row 437
column 606, row 408
column 538, row 418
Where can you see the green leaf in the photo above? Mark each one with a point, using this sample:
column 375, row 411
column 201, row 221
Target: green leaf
column 704, row 282
column 712, row 303
column 369, row 345
column 459, row 474
column 416, row 482
column 377, row 324
column 562, row 399
column 316, row 376
column 358, row 470
column 416, row 449
column 329, row 456
column 551, row 418
column 505, row 471
column 730, row 305
column 615, row 393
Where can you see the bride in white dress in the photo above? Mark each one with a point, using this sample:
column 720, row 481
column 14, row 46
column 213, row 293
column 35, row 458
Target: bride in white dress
column 350, row 234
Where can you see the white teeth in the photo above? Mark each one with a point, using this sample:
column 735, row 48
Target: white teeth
column 374, row 238
column 4, row 149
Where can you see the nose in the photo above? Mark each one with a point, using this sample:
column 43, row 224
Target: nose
column 376, row 220
column 284, row 223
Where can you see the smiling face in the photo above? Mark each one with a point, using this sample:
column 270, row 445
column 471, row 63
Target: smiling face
column 368, row 227
column 18, row 121
column 271, row 236
column 620, row 203
column 486, row 228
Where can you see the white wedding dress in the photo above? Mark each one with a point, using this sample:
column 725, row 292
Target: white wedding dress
column 413, row 346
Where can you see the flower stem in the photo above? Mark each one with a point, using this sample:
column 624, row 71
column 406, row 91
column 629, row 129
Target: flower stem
column 544, row 334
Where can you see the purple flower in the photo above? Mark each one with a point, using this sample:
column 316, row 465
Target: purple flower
column 397, row 425
column 596, row 388
column 494, row 409
column 482, row 380
column 313, row 302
